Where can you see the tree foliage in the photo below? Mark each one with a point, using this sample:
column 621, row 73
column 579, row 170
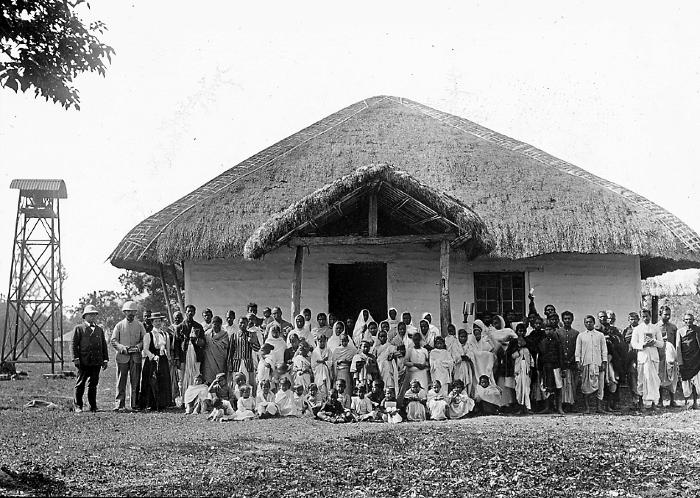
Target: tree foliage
column 108, row 304
column 44, row 45
column 147, row 290
column 142, row 288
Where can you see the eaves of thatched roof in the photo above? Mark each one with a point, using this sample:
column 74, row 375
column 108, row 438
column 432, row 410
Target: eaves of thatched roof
column 532, row 203
column 410, row 202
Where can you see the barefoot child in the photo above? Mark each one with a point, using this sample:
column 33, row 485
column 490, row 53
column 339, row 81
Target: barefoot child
column 487, row 396
column 314, row 399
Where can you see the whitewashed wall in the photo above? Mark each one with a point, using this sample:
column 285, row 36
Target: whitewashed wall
column 581, row 283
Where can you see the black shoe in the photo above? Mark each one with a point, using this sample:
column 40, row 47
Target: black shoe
column 93, row 409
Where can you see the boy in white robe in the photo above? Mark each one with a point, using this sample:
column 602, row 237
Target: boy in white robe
column 284, row 399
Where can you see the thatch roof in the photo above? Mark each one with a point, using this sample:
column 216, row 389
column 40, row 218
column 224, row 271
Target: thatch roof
column 531, row 202
column 410, row 202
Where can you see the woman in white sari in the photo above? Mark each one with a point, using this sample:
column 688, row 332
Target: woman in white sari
column 341, row 359
column 481, row 349
column 393, row 322
column 360, row 331
column 334, row 340
column 385, row 353
column 302, row 332
column 417, row 362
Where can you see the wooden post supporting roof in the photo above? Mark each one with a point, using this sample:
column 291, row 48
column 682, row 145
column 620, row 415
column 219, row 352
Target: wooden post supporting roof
column 165, row 293
column 180, row 301
column 296, row 281
column 445, row 312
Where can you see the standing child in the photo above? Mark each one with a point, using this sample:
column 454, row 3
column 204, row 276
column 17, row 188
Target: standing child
column 266, row 364
column 415, row 399
column 265, row 401
column 301, row 366
column 441, row 365
column 519, row 352
column 459, row 404
column 437, row 406
column 285, row 398
column 364, row 365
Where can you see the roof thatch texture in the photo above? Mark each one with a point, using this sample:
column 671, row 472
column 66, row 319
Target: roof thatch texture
column 280, row 226
column 532, row 203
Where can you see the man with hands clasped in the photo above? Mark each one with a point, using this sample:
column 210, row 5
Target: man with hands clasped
column 89, row 355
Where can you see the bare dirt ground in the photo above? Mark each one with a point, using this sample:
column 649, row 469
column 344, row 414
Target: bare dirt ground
column 59, row 452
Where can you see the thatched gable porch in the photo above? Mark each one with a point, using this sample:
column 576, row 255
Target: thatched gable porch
column 376, row 205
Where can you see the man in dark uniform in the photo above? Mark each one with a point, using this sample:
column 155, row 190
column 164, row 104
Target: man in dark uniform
column 89, row 355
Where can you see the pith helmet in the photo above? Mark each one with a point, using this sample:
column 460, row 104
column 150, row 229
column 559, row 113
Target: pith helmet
column 90, row 309
column 129, row 306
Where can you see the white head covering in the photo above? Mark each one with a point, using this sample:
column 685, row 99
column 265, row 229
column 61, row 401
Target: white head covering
column 361, row 322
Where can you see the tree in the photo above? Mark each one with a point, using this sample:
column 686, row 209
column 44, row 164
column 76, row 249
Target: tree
column 146, row 290
column 45, row 45
column 108, row 304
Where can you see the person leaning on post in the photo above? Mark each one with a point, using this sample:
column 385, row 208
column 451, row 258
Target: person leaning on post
column 89, row 355
column 127, row 340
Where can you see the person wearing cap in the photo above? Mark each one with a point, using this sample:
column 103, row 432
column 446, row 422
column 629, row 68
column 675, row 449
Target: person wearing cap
column 89, row 355
column 127, row 340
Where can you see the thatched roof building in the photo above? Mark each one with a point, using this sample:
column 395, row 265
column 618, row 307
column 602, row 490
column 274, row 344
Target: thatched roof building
column 531, row 203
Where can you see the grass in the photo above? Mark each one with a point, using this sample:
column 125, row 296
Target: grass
column 59, row 452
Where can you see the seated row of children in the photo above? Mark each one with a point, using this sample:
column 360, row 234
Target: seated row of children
column 379, row 405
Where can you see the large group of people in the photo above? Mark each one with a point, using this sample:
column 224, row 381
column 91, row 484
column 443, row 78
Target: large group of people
column 360, row 369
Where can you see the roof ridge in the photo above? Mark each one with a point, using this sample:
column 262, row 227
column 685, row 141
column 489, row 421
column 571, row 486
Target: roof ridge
column 675, row 225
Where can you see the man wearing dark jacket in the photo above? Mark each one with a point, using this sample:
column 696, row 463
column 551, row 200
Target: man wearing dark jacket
column 89, row 355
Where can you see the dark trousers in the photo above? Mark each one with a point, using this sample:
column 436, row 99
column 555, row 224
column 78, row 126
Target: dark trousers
column 91, row 376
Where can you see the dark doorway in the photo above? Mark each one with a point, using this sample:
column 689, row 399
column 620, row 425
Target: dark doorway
column 357, row 286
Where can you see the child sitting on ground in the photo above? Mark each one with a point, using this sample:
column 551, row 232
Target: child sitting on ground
column 285, row 398
column 344, row 398
column 300, row 408
column 265, row 405
column 245, row 407
column 389, row 407
column 314, row 399
column 415, row 399
column 437, row 406
column 362, row 409
column 196, row 395
column 487, row 397
column 459, row 404
column 332, row 410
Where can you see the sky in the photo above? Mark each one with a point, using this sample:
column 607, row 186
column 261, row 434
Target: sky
column 613, row 87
